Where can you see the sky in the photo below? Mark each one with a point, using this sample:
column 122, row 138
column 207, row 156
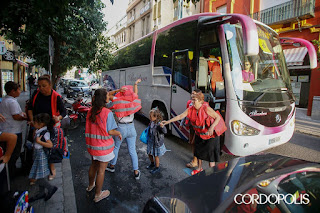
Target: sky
column 113, row 13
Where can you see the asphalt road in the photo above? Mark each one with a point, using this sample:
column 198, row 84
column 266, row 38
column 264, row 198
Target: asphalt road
column 129, row 195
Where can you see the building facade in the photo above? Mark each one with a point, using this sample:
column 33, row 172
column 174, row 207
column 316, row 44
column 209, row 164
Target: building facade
column 139, row 15
column 145, row 16
column 118, row 33
column 12, row 66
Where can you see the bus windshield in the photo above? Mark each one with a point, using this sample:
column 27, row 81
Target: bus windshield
column 260, row 78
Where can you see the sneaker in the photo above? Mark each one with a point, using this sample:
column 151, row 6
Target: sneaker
column 137, row 176
column 110, row 169
column 151, row 166
column 155, row 170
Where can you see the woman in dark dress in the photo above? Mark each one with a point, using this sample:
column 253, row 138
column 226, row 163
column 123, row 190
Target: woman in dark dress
column 203, row 120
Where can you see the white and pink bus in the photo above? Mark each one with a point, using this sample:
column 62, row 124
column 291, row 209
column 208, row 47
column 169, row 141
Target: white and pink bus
column 209, row 51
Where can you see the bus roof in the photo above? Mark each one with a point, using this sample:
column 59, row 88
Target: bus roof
column 196, row 17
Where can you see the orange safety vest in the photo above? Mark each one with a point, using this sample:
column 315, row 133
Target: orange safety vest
column 126, row 103
column 98, row 140
column 215, row 68
column 54, row 109
column 200, row 121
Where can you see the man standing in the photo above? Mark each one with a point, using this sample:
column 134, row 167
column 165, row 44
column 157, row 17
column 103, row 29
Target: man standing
column 14, row 116
column 31, row 83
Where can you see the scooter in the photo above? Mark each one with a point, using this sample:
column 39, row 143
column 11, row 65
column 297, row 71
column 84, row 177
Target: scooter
column 77, row 111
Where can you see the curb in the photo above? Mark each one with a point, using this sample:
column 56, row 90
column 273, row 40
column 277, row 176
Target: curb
column 70, row 205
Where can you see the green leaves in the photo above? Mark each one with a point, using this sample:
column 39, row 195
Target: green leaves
column 75, row 26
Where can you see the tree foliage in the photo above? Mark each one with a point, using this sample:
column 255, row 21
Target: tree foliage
column 316, row 43
column 75, row 26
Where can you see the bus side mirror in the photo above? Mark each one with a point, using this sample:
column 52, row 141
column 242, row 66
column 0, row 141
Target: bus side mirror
column 311, row 49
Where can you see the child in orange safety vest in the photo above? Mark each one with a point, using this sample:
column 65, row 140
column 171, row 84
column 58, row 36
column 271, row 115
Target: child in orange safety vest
column 100, row 127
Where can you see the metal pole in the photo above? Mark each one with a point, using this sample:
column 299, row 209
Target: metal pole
column 8, row 177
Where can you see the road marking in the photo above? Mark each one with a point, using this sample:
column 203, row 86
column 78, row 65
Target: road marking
column 308, row 122
column 307, row 129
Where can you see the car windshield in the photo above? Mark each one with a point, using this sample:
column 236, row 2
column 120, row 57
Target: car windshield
column 305, row 190
column 78, row 84
column 264, row 76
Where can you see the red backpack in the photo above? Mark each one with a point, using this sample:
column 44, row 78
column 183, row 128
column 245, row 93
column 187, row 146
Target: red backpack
column 60, row 147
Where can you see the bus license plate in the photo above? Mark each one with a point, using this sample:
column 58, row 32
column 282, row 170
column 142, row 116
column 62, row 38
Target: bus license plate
column 274, row 140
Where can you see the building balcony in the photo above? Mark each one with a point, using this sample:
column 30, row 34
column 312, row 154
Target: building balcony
column 131, row 19
column 145, row 8
column 286, row 12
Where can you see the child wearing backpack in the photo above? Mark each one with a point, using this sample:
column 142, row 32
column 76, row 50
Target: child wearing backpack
column 156, row 147
column 42, row 143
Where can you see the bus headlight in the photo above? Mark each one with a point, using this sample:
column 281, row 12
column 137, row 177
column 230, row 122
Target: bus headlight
column 242, row 129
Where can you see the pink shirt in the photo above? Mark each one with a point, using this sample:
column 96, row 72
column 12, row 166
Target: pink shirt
column 247, row 76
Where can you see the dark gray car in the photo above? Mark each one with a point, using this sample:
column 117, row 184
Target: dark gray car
column 257, row 183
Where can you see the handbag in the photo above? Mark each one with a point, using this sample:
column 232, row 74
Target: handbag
column 221, row 126
column 144, row 135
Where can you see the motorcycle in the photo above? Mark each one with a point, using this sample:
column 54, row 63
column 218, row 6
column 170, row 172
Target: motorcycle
column 77, row 110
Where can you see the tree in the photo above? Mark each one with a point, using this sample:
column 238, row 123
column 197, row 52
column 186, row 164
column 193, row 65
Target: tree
column 75, row 26
column 103, row 57
column 316, row 43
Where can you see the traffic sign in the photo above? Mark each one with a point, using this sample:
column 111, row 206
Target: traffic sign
column 3, row 48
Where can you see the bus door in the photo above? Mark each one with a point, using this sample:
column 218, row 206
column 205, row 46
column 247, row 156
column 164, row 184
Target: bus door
column 122, row 78
column 181, row 88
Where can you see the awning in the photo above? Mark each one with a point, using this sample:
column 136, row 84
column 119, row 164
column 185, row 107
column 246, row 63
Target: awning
column 295, row 56
column 22, row 63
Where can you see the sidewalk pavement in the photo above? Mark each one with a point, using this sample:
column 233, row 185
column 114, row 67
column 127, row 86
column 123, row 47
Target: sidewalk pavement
column 64, row 199
column 305, row 124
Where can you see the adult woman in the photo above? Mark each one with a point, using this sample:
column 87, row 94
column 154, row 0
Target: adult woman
column 100, row 126
column 46, row 100
column 125, row 104
column 247, row 74
column 203, row 120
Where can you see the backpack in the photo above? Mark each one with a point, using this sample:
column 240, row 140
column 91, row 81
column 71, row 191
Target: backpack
column 60, row 147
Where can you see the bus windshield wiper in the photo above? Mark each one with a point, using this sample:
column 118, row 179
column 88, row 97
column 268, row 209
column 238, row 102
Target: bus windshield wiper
column 263, row 92
column 258, row 98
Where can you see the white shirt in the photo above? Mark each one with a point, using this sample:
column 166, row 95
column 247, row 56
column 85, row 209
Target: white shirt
column 9, row 107
column 46, row 137
column 126, row 119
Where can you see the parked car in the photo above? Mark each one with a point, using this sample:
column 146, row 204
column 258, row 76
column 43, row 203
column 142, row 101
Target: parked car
column 77, row 86
column 65, row 83
column 257, row 183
